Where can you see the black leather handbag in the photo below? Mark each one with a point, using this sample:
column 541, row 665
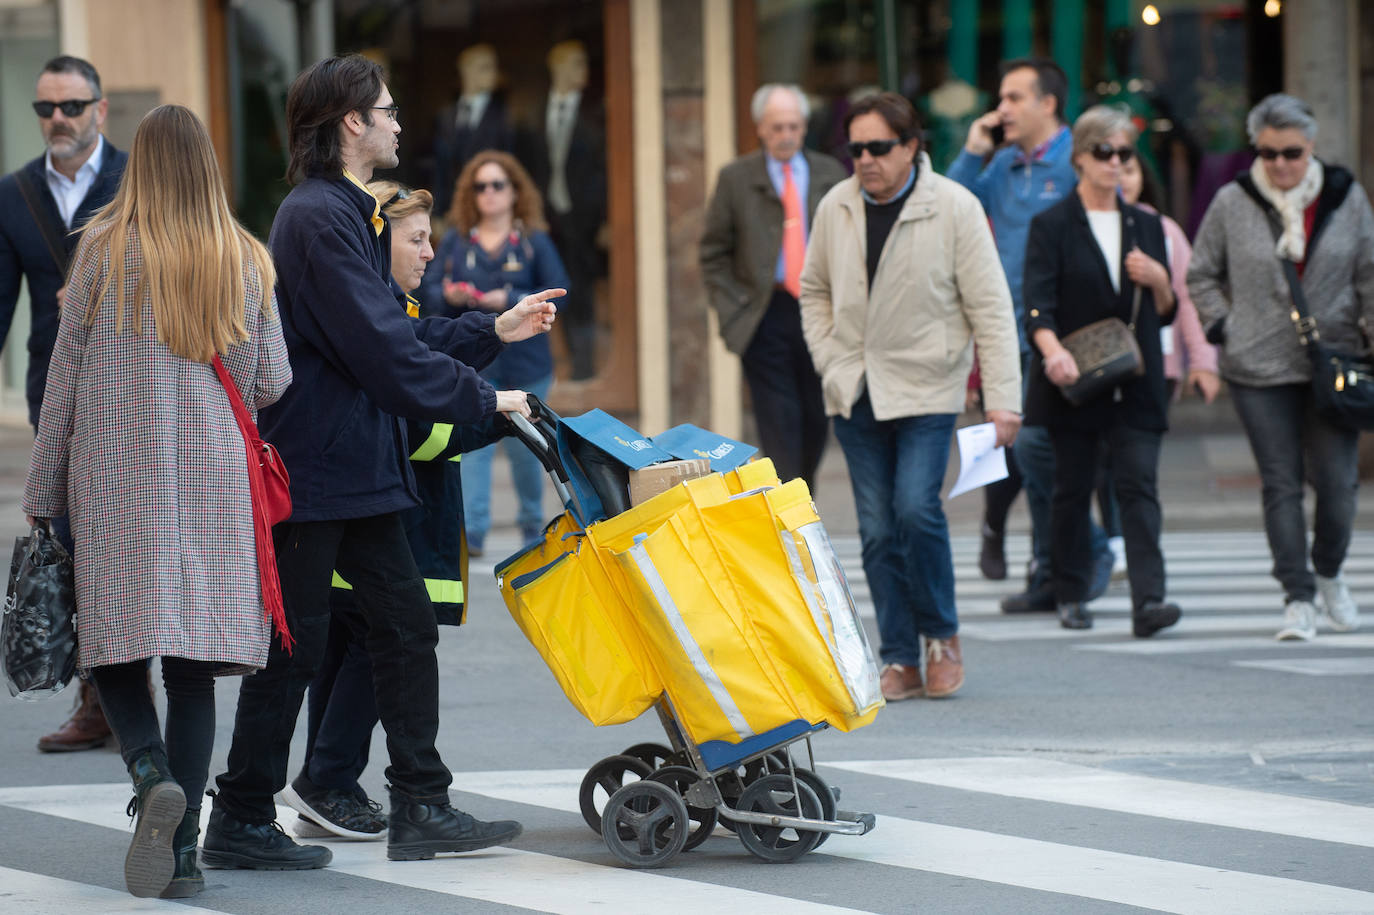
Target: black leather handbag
column 1342, row 383
column 38, row 635
column 1107, row 354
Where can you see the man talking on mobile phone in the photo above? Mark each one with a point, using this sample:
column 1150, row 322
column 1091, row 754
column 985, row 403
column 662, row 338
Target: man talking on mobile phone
column 1029, row 174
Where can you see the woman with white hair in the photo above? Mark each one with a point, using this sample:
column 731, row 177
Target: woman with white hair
column 1291, row 206
column 1089, row 257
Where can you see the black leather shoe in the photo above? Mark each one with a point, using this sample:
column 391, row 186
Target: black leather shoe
column 1074, row 615
column 1152, row 617
column 1036, row 600
column 256, row 846
column 992, row 557
column 419, row 831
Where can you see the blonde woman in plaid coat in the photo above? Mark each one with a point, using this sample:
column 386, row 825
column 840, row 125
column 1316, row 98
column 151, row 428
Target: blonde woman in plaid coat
column 138, row 443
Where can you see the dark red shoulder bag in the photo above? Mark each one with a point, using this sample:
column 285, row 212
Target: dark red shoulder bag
column 270, row 487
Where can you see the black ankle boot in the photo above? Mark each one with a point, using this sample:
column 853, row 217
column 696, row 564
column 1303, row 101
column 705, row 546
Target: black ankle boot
column 418, row 831
column 159, row 804
column 187, row 880
column 258, row 846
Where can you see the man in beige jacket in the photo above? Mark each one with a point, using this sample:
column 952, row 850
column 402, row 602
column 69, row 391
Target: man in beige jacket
column 901, row 279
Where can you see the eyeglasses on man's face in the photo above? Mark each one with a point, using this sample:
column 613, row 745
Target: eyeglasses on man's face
column 391, row 110
column 1269, row 154
column 876, row 148
column 70, row 108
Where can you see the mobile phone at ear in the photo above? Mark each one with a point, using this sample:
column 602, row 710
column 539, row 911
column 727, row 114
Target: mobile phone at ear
column 998, row 134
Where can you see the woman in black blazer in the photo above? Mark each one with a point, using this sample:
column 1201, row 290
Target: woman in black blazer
column 1087, row 258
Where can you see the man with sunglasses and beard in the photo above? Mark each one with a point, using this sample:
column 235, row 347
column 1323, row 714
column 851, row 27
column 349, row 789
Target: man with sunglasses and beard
column 42, row 205
column 1027, row 175
column 901, row 279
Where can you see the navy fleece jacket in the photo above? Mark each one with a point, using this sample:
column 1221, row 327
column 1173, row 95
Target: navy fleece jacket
column 359, row 362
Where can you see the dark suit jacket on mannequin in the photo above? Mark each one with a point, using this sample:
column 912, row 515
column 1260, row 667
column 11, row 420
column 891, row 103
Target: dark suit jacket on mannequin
column 455, row 145
column 574, row 231
column 743, row 235
column 24, row 253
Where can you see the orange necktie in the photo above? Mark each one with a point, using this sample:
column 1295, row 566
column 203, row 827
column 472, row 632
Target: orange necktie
column 793, row 235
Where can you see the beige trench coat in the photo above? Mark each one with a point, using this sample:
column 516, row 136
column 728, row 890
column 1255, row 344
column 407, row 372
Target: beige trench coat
column 939, row 287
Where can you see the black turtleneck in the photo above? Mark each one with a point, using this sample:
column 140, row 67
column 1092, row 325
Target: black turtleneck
column 879, row 219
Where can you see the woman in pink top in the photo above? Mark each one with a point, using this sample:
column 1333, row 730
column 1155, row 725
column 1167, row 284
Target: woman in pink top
column 1192, row 351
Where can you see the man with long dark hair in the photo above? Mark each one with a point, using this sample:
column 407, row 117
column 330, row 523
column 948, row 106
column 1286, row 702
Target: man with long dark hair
column 359, row 363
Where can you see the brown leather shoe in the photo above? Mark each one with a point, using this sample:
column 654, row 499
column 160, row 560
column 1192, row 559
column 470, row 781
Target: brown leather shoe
column 944, row 667
column 900, row 682
column 85, row 730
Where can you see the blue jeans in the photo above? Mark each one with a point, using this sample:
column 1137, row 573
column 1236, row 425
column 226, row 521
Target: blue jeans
column 896, row 468
column 525, row 470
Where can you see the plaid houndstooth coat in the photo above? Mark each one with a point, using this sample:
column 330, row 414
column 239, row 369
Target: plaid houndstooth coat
column 141, row 448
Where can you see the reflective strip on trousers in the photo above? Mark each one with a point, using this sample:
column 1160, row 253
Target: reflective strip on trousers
column 441, row 590
column 689, row 643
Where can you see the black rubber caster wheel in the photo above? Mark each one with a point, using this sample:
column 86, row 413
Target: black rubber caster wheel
column 645, row 824
column 776, row 794
column 829, row 802
column 652, row 755
column 680, row 778
column 604, row 779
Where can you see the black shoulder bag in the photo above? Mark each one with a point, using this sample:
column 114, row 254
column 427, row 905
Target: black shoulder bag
column 1342, row 383
column 1106, row 352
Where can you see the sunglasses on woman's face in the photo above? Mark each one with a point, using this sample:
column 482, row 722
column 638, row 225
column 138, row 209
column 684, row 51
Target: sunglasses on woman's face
column 1103, row 152
column 481, row 186
column 1269, row 154
column 876, row 148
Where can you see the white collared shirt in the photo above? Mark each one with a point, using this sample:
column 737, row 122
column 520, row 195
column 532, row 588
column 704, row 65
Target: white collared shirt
column 473, row 107
column 69, row 193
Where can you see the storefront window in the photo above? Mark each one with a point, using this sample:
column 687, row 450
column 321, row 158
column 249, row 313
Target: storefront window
column 1187, row 79
column 526, row 78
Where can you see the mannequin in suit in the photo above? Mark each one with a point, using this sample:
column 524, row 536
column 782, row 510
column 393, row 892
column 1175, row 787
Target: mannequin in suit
column 478, row 120
column 568, row 159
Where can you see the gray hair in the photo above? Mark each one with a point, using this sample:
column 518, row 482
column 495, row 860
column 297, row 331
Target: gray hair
column 760, row 100
column 1281, row 112
column 1098, row 123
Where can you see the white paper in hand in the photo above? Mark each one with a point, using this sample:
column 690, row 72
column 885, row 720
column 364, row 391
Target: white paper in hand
column 980, row 460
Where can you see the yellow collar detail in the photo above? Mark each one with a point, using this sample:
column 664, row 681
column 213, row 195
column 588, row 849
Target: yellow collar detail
column 377, row 222
column 412, row 306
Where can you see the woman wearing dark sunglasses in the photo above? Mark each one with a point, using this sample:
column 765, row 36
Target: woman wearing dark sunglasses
column 497, row 251
column 1291, row 206
column 1093, row 256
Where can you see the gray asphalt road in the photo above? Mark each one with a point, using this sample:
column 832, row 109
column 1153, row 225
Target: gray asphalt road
column 1209, row 770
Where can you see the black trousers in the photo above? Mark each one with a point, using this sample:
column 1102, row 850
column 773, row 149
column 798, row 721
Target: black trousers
column 373, row 555
column 190, row 739
column 342, row 709
column 788, row 406
column 1135, row 478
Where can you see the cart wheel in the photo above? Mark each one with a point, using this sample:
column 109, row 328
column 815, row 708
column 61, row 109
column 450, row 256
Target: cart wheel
column 651, row 754
column 680, row 778
column 829, row 803
column 733, row 782
column 645, row 824
column 774, row 794
column 604, row 779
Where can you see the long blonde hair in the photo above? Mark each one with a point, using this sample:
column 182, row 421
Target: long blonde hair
column 194, row 250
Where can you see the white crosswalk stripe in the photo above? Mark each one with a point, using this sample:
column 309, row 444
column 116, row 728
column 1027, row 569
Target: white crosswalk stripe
column 1231, row 604
column 1065, row 864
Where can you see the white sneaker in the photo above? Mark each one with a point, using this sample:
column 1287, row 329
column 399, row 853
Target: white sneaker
column 1299, row 622
column 1118, row 548
column 1339, row 605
